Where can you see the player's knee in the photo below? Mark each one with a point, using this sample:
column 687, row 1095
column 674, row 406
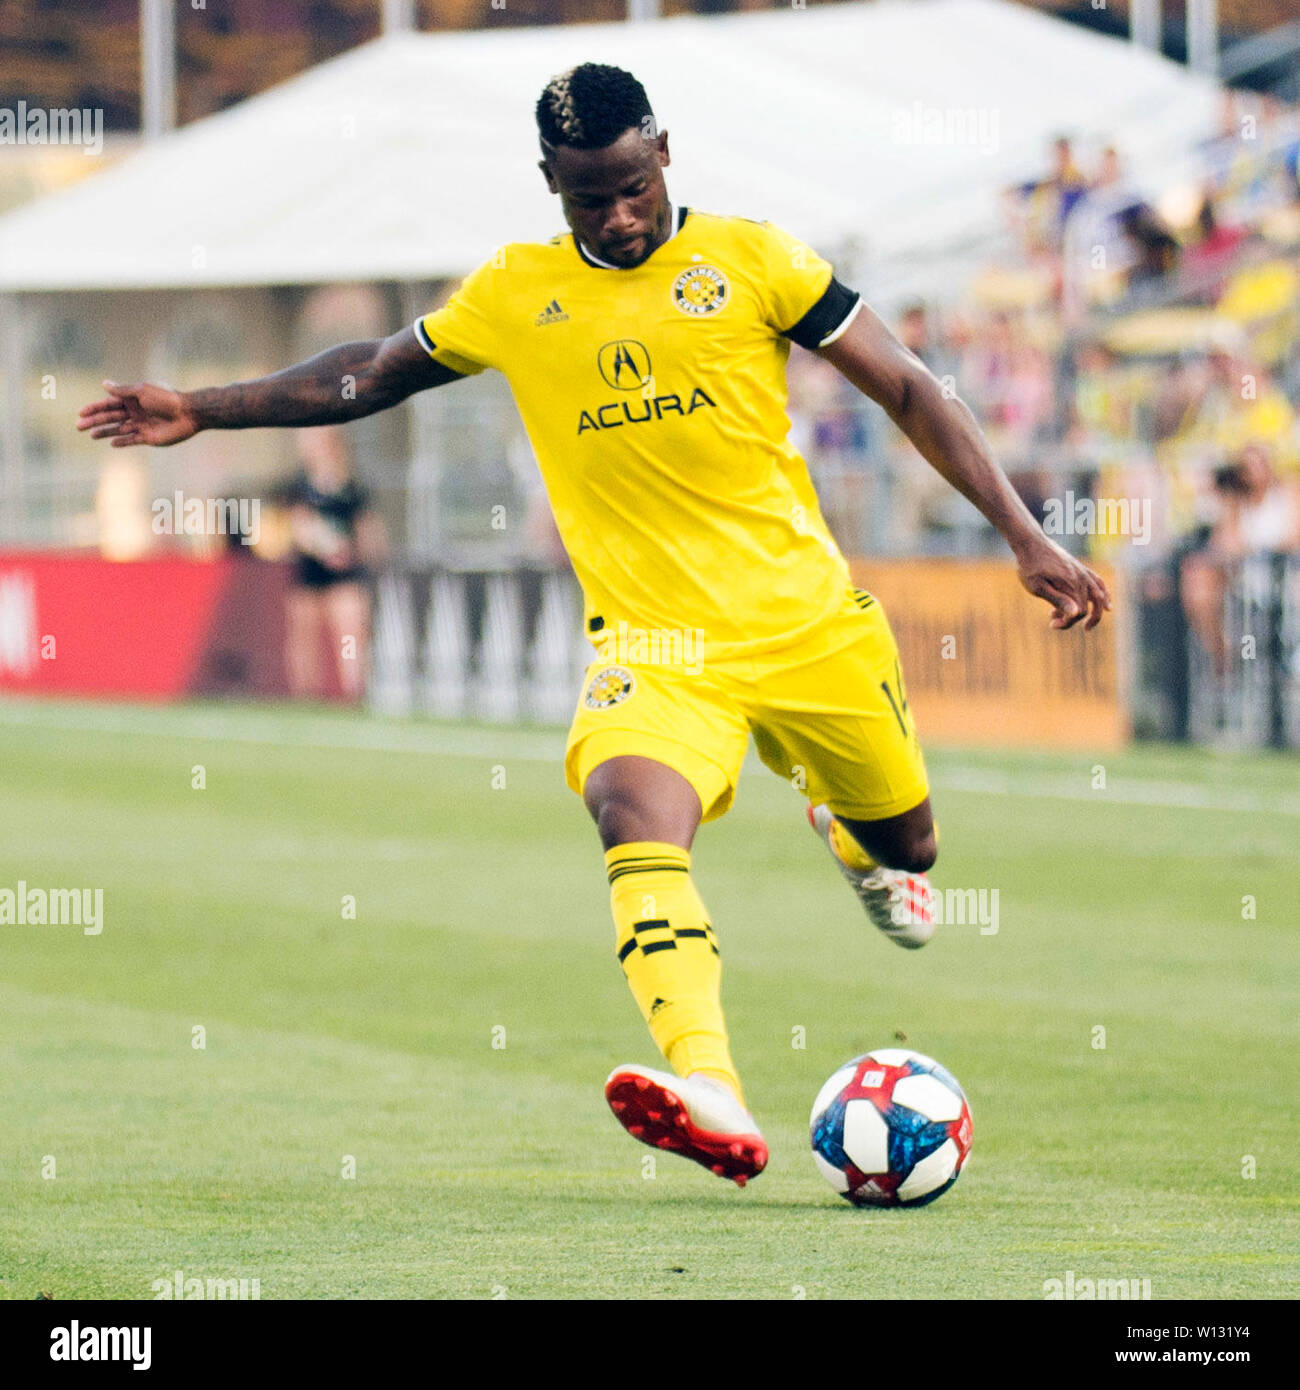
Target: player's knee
column 623, row 816
column 633, row 800
column 620, row 819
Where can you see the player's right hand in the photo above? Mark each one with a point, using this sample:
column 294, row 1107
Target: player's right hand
column 142, row 414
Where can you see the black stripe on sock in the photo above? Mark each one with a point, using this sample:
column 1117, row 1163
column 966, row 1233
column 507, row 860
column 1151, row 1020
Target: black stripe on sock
column 621, row 871
column 643, row 859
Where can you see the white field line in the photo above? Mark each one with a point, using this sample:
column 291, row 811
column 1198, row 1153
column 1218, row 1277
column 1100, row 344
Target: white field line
column 378, row 735
column 244, row 726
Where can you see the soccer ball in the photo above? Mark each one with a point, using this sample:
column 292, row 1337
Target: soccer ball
column 891, row 1128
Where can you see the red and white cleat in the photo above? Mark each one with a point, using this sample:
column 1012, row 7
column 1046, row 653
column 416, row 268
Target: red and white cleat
column 694, row 1116
column 899, row 903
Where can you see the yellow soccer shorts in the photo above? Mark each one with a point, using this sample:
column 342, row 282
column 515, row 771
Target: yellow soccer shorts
column 828, row 714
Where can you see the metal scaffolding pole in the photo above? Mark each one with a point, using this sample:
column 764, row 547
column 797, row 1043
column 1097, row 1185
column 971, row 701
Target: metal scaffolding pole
column 157, row 68
column 13, row 365
column 425, row 436
column 399, row 16
column 1144, row 23
column 1203, row 36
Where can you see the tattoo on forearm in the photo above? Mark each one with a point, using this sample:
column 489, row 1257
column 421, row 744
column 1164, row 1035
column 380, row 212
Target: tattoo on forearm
column 338, row 385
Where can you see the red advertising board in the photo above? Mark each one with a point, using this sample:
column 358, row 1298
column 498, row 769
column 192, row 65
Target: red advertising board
column 72, row 624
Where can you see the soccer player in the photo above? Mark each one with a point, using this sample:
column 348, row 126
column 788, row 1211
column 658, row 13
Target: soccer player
column 646, row 351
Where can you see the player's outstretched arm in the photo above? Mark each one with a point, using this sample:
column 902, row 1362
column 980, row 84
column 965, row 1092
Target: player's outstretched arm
column 945, row 433
column 344, row 383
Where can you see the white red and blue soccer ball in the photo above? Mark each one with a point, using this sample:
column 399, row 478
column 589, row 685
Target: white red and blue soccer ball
column 891, row 1128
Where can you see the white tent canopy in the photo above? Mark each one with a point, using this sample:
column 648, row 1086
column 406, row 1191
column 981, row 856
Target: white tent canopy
column 892, row 123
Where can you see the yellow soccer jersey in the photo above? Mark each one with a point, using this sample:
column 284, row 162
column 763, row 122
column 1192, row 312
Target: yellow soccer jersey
column 655, row 400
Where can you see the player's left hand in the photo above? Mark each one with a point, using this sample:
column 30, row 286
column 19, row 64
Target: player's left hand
column 1075, row 592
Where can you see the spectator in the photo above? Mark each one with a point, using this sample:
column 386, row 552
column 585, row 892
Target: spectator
column 1094, row 247
column 335, row 534
column 1110, row 171
column 1008, row 382
column 1046, row 204
column 917, row 332
column 1207, row 262
column 1101, row 411
column 1153, row 248
column 1226, row 404
column 1067, row 181
column 1258, row 514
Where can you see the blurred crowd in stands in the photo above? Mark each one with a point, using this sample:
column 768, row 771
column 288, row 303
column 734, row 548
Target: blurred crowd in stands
column 1132, row 348
column 1141, row 352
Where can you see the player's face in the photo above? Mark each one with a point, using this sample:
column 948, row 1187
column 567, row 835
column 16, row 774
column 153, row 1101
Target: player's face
column 614, row 199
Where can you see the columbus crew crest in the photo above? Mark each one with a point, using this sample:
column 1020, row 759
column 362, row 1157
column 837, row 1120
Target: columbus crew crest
column 609, row 687
column 700, row 290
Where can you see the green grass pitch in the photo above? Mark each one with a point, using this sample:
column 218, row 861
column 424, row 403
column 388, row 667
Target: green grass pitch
column 482, row 918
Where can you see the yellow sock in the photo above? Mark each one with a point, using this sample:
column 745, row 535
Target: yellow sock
column 669, row 954
column 848, row 851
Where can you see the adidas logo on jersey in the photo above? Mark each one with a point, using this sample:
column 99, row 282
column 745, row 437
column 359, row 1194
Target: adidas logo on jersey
column 551, row 314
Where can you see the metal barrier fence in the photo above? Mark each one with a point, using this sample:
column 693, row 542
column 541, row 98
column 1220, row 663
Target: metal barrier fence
column 504, row 647
column 507, row 646
column 1255, row 701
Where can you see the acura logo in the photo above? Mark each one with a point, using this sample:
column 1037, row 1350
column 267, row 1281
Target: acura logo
column 624, row 364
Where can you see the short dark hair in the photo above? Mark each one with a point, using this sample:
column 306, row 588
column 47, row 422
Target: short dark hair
column 590, row 106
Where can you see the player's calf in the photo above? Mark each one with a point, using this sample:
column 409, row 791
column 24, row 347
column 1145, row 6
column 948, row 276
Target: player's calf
column 899, row 901
column 907, row 842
